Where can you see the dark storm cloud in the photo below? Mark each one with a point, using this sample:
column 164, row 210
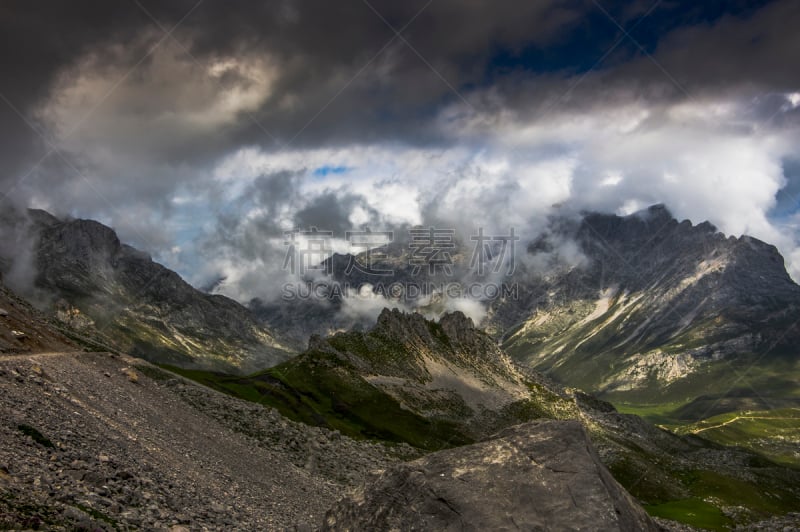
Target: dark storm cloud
column 269, row 194
column 36, row 41
column 319, row 46
column 142, row 117
column 321, row 95
column 135, row 112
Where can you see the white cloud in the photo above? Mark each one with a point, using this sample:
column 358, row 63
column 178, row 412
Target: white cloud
column 694, row 156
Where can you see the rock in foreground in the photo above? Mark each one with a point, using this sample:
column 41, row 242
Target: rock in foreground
column 537, row 476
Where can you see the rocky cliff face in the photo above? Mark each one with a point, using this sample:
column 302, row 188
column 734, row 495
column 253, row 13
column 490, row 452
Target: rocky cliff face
column 537, row 476
column 142, row 307
column 659, row 309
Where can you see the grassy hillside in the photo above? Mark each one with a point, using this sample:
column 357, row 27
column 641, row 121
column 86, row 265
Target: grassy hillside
column 773, row 433
column 317, row 391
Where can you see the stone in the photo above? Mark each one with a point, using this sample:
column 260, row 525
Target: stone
column 542, row 475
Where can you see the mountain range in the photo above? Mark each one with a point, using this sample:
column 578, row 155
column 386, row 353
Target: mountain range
column 691, row 329
column 641, row 310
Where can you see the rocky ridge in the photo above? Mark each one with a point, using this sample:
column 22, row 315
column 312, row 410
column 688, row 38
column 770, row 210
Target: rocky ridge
column 106, row 289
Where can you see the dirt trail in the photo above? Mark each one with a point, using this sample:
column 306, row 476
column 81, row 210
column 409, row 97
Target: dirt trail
column 732, row 420
column 46, row 354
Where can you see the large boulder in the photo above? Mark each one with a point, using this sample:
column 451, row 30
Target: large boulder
column 543, row 475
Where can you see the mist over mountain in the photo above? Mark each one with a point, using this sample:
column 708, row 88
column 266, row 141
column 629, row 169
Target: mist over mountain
column 80, row 271
column 303, row 265
column 637, row 308
column 431, row 385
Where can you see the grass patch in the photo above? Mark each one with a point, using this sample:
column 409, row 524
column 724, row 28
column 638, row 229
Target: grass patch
column 97, row 515
column 658, row 414
column 694, row 512
column 774, row 434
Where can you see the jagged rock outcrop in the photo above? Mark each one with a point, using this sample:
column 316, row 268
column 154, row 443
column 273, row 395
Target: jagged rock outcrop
column 447, row 372
column 538, row 476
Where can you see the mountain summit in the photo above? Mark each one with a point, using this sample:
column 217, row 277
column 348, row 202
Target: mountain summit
column 660, row 310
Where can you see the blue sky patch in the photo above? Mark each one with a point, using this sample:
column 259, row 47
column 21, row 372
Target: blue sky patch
column 324, row 171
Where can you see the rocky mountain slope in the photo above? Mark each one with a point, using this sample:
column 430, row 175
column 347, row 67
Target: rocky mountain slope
column 446, row 384
column 661, row 311
column 104, row 288
column 23, row 329
column 96, row 441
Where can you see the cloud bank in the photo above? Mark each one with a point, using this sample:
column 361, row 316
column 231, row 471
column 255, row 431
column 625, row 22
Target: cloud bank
column 203, row 132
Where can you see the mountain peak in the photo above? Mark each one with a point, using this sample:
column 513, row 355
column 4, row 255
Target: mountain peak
column 451, row 319
column 42, row 217
column 389, row 315
column 453, row 327
column 659, row 210
column 457, row 325
column 152, row 311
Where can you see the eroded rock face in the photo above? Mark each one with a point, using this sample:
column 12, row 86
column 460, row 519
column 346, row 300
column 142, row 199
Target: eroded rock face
column 537, row 476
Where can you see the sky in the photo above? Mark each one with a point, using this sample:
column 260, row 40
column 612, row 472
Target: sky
column 203, row 130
